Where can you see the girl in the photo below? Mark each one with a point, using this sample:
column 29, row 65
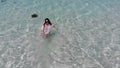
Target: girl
column 46, row 28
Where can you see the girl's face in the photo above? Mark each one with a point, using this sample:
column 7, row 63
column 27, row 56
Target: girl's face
column 46, row 20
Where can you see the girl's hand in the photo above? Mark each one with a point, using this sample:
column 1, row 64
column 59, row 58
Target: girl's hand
column 55, row 27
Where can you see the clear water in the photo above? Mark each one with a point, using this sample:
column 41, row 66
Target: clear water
column 88, row 35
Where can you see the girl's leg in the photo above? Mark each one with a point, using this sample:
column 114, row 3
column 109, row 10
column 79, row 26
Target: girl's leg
column 48, row 35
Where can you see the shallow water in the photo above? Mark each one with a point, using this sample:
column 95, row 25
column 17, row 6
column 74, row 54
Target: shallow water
column 88, row 34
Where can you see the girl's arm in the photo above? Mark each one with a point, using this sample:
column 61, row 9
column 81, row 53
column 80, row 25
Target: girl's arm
column 55, row 27
column 42, row 30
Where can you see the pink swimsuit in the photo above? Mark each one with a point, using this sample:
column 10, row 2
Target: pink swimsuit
column 46, row 29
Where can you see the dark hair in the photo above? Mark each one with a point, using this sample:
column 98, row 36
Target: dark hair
column 48, row 21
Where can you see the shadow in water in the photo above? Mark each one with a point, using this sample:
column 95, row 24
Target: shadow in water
column 3, row 0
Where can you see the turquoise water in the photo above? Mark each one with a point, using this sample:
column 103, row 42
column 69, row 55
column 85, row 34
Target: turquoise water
column 88, row 34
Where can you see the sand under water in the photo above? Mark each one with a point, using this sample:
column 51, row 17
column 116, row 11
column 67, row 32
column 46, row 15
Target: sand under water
column 88, row 34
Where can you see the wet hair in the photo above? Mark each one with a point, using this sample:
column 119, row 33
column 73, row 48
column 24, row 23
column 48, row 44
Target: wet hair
column 48, row 21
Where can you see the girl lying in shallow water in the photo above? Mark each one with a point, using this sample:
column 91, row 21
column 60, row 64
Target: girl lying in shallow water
column 46, row 28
